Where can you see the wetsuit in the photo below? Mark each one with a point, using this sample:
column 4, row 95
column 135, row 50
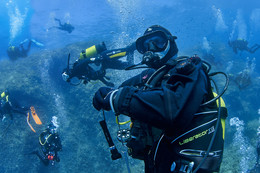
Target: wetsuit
column 9, row 106
column 15, row 52
column 242, row 45
column 50, row 145
column 65, row 27
column 173, row 105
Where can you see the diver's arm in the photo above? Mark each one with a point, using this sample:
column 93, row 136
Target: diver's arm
column 118, row 53
column 138, row 80
column 81, row 67
column 161, row 107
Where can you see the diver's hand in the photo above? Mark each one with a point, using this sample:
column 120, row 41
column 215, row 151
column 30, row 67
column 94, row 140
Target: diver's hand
column 101, row 98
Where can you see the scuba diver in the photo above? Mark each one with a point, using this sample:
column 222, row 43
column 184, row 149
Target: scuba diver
column 65, row 27
column 9, row 106
column 242, row 45
column 50, row 145
column 177, row 121
column 15, row 52
column 242, row 79
column 93, row 62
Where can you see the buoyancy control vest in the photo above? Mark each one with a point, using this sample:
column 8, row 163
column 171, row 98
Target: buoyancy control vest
column 189, row 146
column 142, row 139
column 192, row 144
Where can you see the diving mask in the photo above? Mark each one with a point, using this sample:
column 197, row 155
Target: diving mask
column 151, row 58
column 156, row 42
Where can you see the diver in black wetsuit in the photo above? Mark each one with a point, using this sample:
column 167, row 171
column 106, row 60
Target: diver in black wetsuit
column 242, row 45
column 242, row 79
column 65, row 27
column 93, row 62
column 50, row 145
column 9, row 106
column 176, row 124
column 15, row 52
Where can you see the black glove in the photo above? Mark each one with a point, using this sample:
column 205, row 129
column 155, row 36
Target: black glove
column 101, row 98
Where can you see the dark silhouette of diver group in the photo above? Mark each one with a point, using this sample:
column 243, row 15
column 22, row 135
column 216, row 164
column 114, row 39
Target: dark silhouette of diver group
column 177, row 114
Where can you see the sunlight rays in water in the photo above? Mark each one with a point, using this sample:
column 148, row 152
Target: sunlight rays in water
column 16, row 18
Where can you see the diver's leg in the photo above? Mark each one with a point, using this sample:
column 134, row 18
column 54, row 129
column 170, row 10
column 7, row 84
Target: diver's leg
column 23, row 41
column 20, row 109
column 29, row 46
column 17, row 108
column 58, row 21
column 235, row 50
column 42, row 158
column 57, row 157
column 24, row 52
column 254, row 48
column 7, row 110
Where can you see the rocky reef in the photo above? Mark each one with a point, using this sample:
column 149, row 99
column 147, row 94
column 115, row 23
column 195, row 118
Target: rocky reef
column 36, row 81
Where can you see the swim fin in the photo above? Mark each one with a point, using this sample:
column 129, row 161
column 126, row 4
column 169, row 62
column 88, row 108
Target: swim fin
column 35, row 116
column 28, row 122
column 24, row 41
column 37, row 43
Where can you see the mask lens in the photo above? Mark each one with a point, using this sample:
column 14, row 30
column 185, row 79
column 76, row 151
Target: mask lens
column 155, row 42
column 159, row 43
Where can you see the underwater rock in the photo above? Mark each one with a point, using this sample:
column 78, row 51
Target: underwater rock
column 36, row 80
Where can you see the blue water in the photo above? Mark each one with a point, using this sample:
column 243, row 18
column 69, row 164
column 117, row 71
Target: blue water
column 200, row 25
column 110, row 19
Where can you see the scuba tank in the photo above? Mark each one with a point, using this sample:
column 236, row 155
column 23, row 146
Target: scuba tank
column 92, row 51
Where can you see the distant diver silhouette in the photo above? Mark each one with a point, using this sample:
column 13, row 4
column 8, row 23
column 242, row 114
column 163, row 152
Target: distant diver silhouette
column 65, row 27
column 15, row 52
column 242, row 45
